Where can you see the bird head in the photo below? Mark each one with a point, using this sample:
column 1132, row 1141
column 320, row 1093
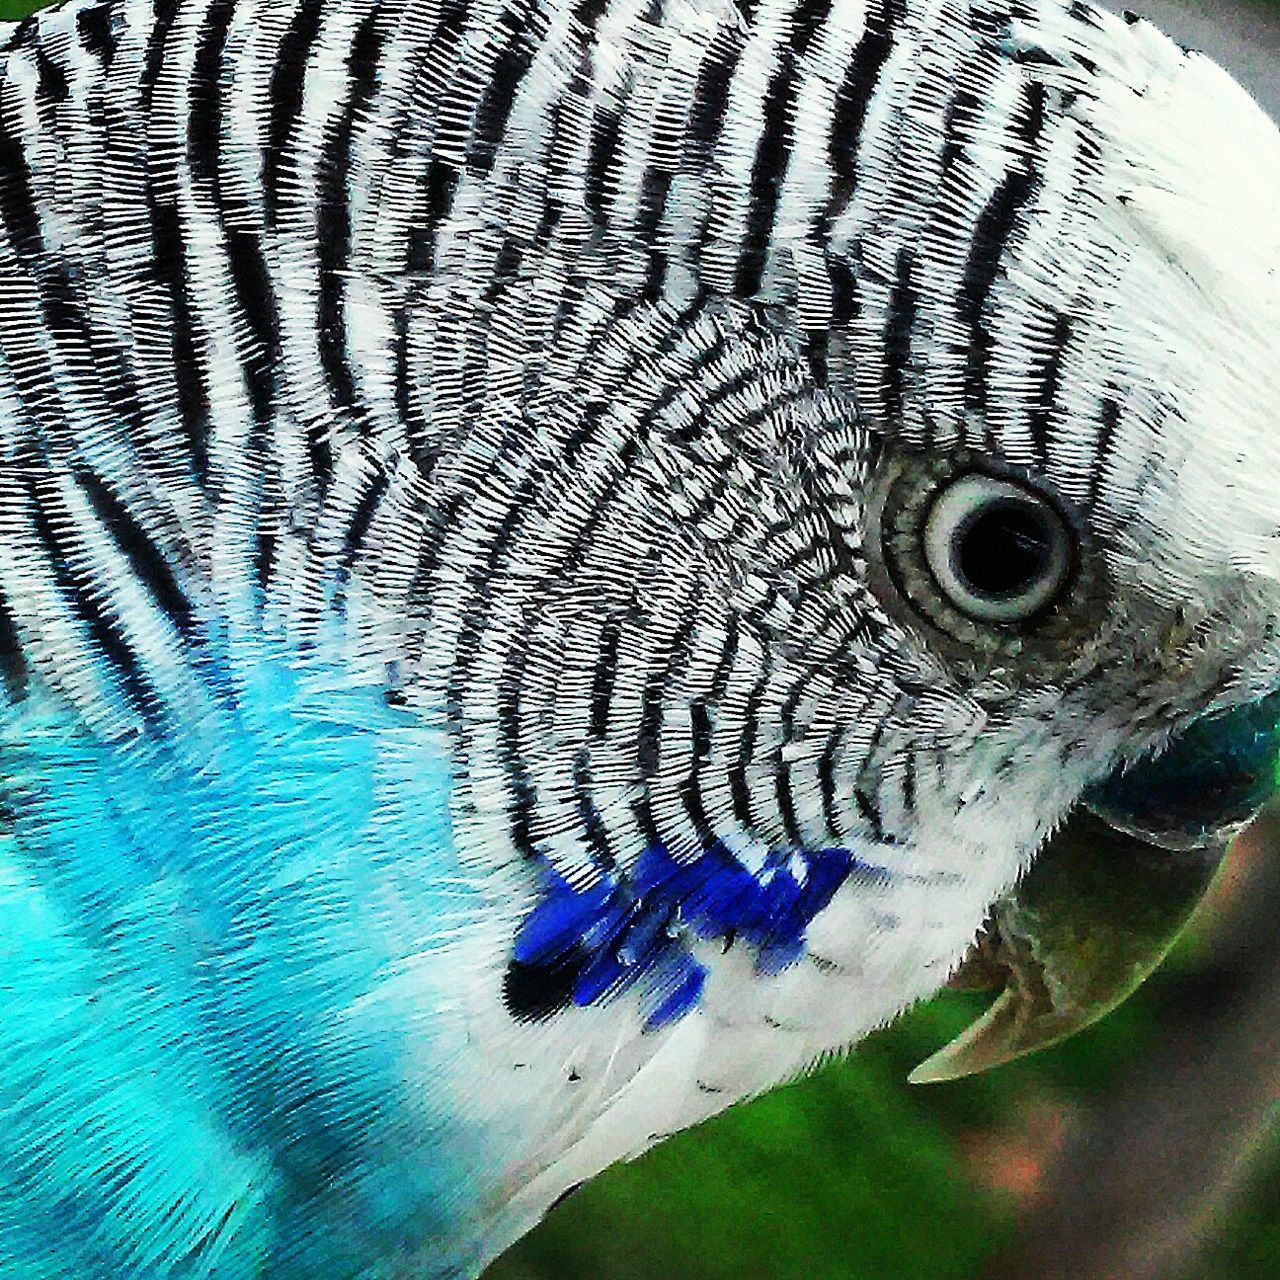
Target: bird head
column 947, row 510
column 849, row 596
column 1126, row 442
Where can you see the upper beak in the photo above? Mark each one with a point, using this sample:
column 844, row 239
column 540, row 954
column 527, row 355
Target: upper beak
column 1108, row 895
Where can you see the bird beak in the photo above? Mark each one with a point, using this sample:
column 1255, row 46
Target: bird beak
column 1108, row 895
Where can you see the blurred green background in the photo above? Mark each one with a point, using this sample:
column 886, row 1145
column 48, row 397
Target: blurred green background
column 851, row 1174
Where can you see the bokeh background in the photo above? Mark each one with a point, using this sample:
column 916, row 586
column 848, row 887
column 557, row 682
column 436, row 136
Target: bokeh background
column 1146, row 1149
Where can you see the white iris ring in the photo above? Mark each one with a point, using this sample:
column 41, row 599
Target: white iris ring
column 998, row 551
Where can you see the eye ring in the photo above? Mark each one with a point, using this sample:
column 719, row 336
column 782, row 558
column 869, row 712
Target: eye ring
column 998, row 551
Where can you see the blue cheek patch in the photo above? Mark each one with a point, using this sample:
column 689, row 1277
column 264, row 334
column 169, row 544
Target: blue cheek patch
column 586, row 945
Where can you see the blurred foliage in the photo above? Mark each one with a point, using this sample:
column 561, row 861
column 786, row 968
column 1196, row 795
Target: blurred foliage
column 1248, row 1243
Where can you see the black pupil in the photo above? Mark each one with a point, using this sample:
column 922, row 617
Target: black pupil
column 1002, row 549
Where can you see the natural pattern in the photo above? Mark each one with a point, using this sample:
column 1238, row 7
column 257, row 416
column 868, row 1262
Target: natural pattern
column 461, row 469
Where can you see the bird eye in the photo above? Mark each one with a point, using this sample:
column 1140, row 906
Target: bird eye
column 997, row 550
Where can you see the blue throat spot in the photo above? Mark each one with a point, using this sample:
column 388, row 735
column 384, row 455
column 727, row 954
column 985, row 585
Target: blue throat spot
column 586, row 945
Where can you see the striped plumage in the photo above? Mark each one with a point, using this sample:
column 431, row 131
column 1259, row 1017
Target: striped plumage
column 516, row 408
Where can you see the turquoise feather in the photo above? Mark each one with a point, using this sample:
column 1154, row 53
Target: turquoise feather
column 196, row 1074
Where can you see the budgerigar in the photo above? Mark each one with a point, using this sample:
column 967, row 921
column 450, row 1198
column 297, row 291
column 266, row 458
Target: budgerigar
column 557, row 559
